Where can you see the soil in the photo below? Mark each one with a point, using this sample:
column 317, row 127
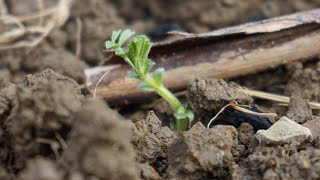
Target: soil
column 51, row 128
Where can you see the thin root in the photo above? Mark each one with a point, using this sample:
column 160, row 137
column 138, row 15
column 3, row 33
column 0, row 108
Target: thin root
column 235, row 106
column 95, row 89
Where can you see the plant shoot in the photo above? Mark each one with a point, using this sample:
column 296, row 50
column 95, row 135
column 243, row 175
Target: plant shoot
column 136, row 55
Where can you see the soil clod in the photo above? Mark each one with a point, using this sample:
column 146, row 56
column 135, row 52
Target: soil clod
column 207, row 97
column 202, row 153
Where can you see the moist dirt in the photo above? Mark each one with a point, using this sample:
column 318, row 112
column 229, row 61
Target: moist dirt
column 51, row 128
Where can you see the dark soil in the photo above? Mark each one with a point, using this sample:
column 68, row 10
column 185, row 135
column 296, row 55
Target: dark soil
column 52, row 129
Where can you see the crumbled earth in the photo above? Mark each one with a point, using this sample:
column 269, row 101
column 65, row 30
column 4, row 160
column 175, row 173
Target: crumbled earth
column 151, row 141
column 207, row 97
column 306, row 80
column 33, row 113
column 202, row 153
column 299, row 110
column 283, row 162
column 46, row 116
column 99, row 145
column 314, row 126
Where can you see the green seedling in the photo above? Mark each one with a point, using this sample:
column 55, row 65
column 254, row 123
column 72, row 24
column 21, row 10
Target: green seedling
column 136, row 55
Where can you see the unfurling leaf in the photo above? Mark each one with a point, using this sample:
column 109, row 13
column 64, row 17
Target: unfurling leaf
column 133, row 75
column 109, row 44
column 124, row 36
column 157, row 75
column 120, row 52
column 115, row 35
column 145, row 87
column 138, row 51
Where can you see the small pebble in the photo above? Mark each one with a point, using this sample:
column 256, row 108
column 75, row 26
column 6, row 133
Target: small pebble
column 284, row 131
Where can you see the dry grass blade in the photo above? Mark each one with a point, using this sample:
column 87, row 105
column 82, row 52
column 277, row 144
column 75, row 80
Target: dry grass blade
column 275, row 97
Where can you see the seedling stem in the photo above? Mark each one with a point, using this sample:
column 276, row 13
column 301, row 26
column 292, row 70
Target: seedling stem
column 137, row 57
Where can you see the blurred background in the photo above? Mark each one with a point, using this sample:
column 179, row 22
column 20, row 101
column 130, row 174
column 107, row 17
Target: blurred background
column 68, row 35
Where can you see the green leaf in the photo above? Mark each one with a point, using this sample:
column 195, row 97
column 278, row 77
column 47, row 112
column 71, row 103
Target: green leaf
column 148, row 66
column 124, row 36
column 145, row 87
column 109, row 44
column 189, row 114
column 173, row 125
column 183, row 113
column 120, row 52
column 115, row 35
column 157, row 75
column 133, row 75
column 138, row 51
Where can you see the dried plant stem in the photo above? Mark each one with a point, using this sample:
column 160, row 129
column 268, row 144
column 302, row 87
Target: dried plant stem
column 275, row 97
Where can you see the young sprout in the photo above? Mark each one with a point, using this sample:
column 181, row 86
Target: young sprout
column 136, row 56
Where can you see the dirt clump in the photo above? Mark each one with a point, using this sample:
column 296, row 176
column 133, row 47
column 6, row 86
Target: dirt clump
column 41, row 168
column 151, row 141
column 304, row 80
column 284, row 162
column 33, row 114
column 202, row 153
column 5, row 77
column 299, row 110
column 314, row 126
column 62, row 61
column 246, row 141
column 99, row 144
column 207, row 97
column 245, row 134
column 147, row 171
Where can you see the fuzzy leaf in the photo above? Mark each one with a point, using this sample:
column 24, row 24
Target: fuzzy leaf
column 138, row 51
column 124, row 36
column 157, row 75
column 120, row 52
column 183, row 113
column 145, row 87
column 148, row 66
column 133, row 75
column 115, row 35
column 109, row 44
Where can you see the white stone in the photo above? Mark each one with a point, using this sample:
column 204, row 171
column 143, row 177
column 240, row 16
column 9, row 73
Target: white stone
column 284, row 131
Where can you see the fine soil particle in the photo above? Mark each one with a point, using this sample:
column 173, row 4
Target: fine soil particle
column 202, row 153
column 151, row 141
column 207, row 97
column 99, row 145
